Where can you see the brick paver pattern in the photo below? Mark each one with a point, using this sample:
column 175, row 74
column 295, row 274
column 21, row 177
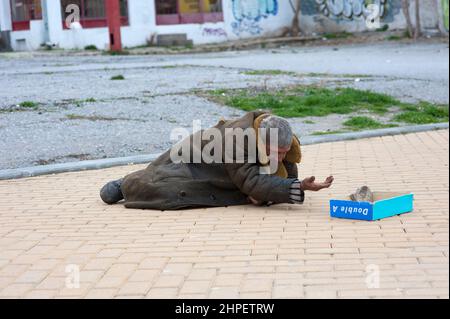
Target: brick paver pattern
column 52, row 226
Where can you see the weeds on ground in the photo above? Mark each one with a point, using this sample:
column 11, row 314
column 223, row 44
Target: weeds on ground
column 123, row 52
column 423, row 113
column 117, row 77
column 303, row 101
column 384, row 28
column 29, row 104
column 337, row 35
column 363, row 122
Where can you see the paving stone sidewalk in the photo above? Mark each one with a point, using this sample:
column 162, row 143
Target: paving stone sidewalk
column 51, row 226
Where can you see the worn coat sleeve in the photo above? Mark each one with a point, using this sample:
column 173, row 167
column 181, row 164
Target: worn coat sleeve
column 291, row 169
column 262, row 187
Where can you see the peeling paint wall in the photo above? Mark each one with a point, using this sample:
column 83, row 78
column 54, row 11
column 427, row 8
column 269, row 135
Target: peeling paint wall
column 322, row 16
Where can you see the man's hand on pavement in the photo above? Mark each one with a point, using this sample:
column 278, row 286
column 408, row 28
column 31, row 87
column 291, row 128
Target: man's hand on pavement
column 309, row 184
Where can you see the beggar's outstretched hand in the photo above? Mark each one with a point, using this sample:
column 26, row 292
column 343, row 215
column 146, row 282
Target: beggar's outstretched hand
column 309, row 184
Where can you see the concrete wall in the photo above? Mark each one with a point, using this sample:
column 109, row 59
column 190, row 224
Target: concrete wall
column 322, row 16
column 141, row 25
column 242, row 19
column 5, row 26
column 266, row 20
column 5, row 16
column 29, row 39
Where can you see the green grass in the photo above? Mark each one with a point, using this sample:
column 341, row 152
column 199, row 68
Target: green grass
column 117, row 77
column 309, row 122
column 123, row 52
column 337, row 35
column 398, row 36
column 363, row 122
column 423, row 113
column 357, row 123
column 383, row 28
column 305, row 101
column 394, row 38
column 79, row 103
column 29, row 104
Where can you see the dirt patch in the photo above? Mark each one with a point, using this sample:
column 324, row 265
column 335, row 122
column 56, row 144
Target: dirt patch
column 66, row 158
column 94, row 118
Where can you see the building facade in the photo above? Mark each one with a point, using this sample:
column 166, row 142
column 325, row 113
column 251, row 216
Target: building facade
column 75, row 24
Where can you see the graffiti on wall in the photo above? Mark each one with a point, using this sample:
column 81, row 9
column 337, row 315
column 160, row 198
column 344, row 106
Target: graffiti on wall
column 214, row 32
column 249, row 13
column 351, row 8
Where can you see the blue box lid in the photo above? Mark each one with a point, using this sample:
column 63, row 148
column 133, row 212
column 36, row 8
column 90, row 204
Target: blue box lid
column 386, row 204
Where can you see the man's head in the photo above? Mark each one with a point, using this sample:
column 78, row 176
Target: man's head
column 285, row 135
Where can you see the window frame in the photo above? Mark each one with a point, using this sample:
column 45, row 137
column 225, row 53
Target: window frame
column 98, row 22
column 22, row 25
column 188, row 18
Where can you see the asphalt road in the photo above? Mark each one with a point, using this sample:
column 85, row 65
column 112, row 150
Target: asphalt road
column 82, row 114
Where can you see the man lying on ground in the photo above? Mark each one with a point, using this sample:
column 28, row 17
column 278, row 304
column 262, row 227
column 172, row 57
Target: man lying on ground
column 260, row 169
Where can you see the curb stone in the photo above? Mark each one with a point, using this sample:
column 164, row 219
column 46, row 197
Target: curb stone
column 307, row 140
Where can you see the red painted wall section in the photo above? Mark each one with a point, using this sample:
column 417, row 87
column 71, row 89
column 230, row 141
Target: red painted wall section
column 113, row 18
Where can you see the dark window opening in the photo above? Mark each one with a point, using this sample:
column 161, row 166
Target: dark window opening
column 93, row 12
column 23, row 11
column 188, row 11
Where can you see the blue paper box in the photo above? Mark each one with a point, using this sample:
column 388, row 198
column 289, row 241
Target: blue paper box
column 385, row 204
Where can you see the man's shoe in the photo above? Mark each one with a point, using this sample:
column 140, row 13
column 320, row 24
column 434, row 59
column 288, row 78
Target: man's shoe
column 111, row 192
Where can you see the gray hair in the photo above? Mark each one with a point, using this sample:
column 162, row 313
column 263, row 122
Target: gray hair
column 285, row 134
